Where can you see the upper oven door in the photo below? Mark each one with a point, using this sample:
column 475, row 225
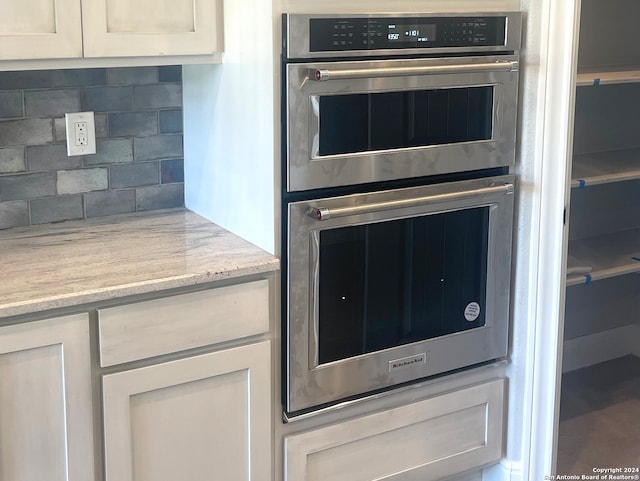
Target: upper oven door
column 357, row 122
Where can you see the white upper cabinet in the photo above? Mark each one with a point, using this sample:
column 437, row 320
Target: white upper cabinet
column 124, row 28
column 73, row 29
column 31, row 29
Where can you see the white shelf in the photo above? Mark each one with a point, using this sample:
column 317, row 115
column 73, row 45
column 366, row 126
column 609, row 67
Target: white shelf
column 605, row 167
column 608, row 76
column 608, row 256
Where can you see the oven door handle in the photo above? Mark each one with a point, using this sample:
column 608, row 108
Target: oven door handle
column 322, row 75
column 325, row 213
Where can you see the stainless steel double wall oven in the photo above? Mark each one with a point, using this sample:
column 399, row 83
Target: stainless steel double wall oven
column 398, row 141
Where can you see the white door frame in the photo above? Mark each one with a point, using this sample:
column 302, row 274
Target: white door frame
column 558, row 23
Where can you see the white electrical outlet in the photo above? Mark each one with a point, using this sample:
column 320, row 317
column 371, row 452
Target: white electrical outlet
column 81, row 133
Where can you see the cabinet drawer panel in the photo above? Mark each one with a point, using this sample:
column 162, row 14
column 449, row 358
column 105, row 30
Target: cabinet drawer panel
column 426, row 440
column 172, row 324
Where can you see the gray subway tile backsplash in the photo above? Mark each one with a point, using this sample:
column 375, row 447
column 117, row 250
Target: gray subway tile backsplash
column 10, row 104
column 172, row 171
column 170, row 121
column 157, row 96
column 170, row 73
column 133, row 124
column 14, row 214
column 102, row 127
column 158, row 147
column 28, row 79
column 79, row 77
column 159, row 197
column 135, row 175
column 51, row 157
column 138, row 165
column 107, row 99
column 110, row 202
column 27, row 186
column 25, row 131
column 12, row 160
column 56, row 209
column 111, row 151
column 82, row 180
column 133, row 76
column 51, row 103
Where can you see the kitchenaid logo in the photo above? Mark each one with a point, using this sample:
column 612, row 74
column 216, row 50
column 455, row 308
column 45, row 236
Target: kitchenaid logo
column 407, row 362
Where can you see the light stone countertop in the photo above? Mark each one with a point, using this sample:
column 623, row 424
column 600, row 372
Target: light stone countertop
column 73, row 263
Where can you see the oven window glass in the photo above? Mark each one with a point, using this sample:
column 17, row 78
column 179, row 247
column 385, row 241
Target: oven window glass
column 392, row 120
column 393, row 283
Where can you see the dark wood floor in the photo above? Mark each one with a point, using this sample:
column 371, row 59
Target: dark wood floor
column 600, row 417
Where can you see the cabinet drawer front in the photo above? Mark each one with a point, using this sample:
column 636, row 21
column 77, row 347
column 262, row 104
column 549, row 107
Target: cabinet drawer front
column 426, row 440
column 172, row 324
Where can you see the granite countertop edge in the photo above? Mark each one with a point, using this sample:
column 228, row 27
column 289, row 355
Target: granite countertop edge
column 218, row 254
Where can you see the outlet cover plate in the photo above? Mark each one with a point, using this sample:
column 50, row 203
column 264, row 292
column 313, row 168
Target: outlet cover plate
column 80, row 145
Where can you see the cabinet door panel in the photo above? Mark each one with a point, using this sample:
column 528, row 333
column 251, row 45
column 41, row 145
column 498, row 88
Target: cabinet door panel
column 29, row 377
column 177, row 413
column 426, row 440
column 46, row 428
column 123, row 28
column 204, row 417
column 40, row 29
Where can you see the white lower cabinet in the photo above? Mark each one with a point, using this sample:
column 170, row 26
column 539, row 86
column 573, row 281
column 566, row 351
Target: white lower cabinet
column 426, row 440
column 46, row 428
column 205, row 417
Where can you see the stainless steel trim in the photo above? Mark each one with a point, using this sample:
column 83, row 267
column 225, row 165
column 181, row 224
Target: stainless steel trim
column 323, row 213
column 339, row 407
column 342, row 74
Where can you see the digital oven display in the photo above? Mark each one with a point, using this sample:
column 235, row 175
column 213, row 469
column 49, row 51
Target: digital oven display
column 411, row 34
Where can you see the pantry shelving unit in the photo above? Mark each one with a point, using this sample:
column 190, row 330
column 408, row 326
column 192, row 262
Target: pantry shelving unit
column 607, row 254
column 602, row 303
column 604, row 232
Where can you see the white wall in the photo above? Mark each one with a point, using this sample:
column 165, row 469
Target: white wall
column 230, row 139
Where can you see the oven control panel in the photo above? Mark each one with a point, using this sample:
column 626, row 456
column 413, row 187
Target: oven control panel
column 382, row 33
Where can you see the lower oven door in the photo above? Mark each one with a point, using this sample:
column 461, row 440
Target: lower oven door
column 388, row 287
